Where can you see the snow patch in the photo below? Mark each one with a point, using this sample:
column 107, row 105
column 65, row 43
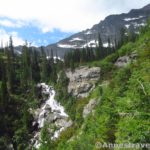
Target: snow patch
column 55, row 58
column 131, row 19
column 66, row 46
column 127, row 26
column 138, row 25
column 106, row 45
column 91, row 43
column 76, row 39
column 88, row 32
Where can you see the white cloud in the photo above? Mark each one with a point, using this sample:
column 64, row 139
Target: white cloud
column 4, row 38
column 66, row 15
column 33, row 44
column 9, row 23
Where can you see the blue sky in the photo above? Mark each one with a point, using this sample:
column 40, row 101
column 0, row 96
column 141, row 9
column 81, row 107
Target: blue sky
column 42, row 22
column 29, row 32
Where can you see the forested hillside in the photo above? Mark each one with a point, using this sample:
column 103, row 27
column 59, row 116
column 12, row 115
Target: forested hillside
column 19, row 75
column 122, row 95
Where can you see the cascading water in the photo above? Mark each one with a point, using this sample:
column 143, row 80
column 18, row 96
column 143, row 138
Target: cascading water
column 54, row 108
column 51, row 102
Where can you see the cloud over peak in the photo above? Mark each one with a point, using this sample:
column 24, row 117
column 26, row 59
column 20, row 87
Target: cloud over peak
column 52, row 20
column 66, row 15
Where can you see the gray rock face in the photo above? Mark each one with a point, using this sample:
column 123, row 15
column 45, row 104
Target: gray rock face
column 63, row 123
column 125, row 60
column 89, row 107
column 122, row 61
column 82, row 80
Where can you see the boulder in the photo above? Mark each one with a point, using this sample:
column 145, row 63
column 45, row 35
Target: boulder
column 125, row 60
column 52, row 117
column 63, row 123
column 48, row 108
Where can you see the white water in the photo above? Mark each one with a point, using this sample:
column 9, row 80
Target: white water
column 55, row 107
column 51, row 102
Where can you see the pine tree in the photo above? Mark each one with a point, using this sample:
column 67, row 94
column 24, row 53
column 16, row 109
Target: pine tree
column 97, row 52
column 52, row 57
column 72, row 66
column 100, row 47
column 109, row 47
column 122, row 37
column 1, row 69
column 44, row 66
column 11, row 48
column 35, row 68
column 10, row 71
column 100, row 44
column 26, row 67
column 3, row 95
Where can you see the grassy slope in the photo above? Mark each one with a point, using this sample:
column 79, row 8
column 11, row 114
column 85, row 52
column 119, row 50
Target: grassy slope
column 123, row 113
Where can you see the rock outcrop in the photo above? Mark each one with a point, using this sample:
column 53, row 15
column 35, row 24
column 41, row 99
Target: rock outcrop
column 82, row 80
column 89, row 107
column 125, row 60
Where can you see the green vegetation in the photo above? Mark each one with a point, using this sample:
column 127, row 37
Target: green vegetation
column 19, row 75
column 121, row 116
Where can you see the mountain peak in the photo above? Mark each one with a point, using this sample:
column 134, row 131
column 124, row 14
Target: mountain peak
column 109, row 28
column 147, row 7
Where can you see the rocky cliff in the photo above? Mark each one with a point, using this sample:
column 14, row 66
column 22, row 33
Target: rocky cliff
column 82, row 80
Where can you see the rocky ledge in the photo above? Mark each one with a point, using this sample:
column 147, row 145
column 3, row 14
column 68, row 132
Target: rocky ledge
column 82, row 80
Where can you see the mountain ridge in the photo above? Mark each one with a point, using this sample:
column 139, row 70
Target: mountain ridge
column 108, row 28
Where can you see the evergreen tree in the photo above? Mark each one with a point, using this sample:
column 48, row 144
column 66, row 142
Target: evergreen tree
column 2, row 72
column 131, row 36
column 108, row 48
column 122, row 37
column 100, row 46
column 97, row 52
column 72, row 66
column 26, row 67
column 44, row 66
column 35, row 66
column 10, row 71
column 3, row 96
column 11, row 48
